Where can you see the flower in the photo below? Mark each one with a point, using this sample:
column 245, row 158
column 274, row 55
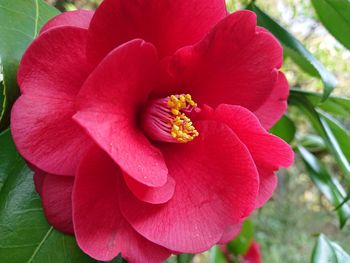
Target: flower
column 146, row 123
column 253, row 255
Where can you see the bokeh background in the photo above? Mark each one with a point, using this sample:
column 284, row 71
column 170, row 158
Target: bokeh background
column 288, row 225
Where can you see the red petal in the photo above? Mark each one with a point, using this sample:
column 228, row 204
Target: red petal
column 38, row 178
column 235, row 64
column 109, row 103
column 77, row 18
column 230, row 233
column 153, row 195
column 253, row 255
column 57, row 201
column 216, row 185
column 167, row 24
column 100, row 228
column 268, row 151
column 268, row 184
column 41, row 120
column 274, row 107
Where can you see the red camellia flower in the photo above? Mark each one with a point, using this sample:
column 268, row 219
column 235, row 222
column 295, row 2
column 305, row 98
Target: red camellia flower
column 146, row 123
column 253, row 254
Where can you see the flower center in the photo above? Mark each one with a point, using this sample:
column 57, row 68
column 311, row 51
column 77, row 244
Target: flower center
column 166, row 120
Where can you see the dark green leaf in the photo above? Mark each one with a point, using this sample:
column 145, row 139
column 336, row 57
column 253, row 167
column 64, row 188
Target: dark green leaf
column 326, row 183
column 334, row 15
column 322, row 127
column 340, row 134
column 25, row 236
column 335, row 105
column 295, row 50
column 20, row 22
column 217, row 256
column 241, row 243
column 285, row 129
column 326, row 251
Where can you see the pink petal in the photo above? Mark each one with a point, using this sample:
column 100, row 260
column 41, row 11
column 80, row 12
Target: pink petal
column 77, row 18
column 153, row 195
column 38, row 178
column 230, row 233
column 216, row 185
column 253, row 255
column 269, row 152
column 57, row 201
column 108, row 109
column 274, row 107
column 167, row 24
column 268, row 184
column 41, row 120
column 236, row 63
column 100, row 228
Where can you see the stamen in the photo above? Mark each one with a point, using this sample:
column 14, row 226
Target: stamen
column 165, row 119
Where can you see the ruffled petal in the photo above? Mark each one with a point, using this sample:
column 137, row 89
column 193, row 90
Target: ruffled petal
column 269, row 152
column 109, row 103
column 230, row 233
column 236, row 63
column 268, row 184
column 216, row 185
column 167, row 24
column 153, row 195
column 41, row 119
column 77, row 18
column 253, row 254
column 276, row 104
column 56, row 198
column 100, row 228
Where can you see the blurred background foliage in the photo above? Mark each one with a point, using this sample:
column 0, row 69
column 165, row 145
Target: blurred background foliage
column 288, row 225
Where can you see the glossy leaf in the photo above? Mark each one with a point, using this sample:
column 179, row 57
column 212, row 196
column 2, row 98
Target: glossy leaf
column 295, row 50
column 340, row 133
column 241, row 244
column 285, row 129
column 25, row 235
column 326, row 251
column 313, row 143
column 326, row 183
column 334, row 15
column 339, row 106
column 20, row 22
column 322, row 127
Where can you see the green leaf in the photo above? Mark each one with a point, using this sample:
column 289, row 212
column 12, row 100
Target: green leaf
column 326, row 251
column 313, row 143
column 241, row 243
column 326, row 183
column 334, row 15
column 217, row 256
column 322, row 127
column 340, row 134
column 20, row 22
column 2, row 99
column 184, row 258
column 285, row 129
column 25, row 236
column 339, row 106
column 295, row 50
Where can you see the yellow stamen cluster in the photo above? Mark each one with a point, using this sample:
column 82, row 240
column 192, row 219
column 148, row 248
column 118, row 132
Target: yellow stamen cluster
column 182, row 128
